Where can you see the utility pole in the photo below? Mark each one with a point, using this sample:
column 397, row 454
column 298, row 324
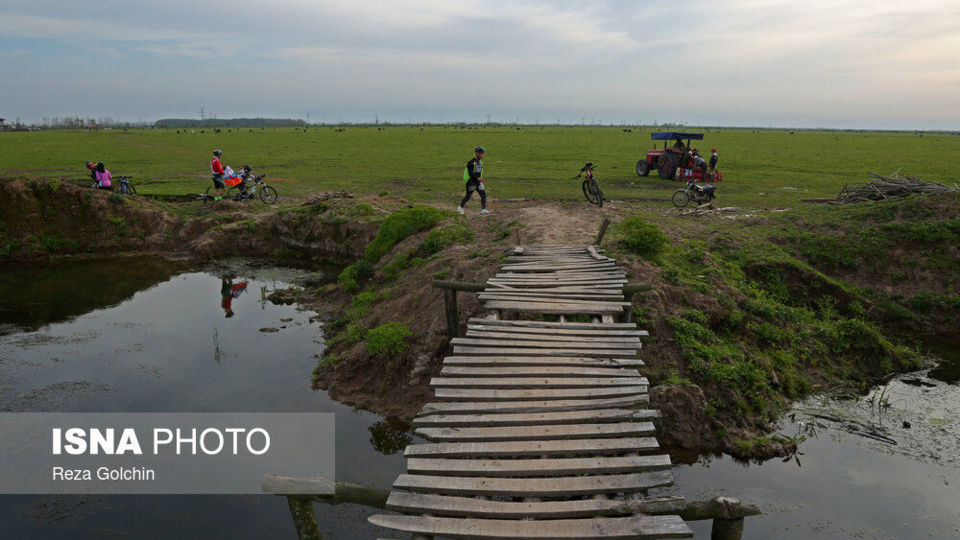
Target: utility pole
column 201, row 113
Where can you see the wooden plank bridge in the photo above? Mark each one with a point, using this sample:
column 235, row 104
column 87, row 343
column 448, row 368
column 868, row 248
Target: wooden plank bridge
column 539, row 429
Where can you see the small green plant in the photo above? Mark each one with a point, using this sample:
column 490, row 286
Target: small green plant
column 438, row 239
column 351, row 276
column 115, row 198
column 400, row 225
column 388, row 339
column 641, row 237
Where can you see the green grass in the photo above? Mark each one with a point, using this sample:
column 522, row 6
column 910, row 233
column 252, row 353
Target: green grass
column 425, row 165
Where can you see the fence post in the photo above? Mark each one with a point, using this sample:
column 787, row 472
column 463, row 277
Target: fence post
column 453, row 316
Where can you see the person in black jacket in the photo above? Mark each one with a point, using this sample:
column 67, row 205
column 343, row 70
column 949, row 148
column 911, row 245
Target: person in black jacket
column 472, row 175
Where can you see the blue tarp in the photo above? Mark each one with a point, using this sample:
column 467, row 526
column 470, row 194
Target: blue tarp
column 673, row 136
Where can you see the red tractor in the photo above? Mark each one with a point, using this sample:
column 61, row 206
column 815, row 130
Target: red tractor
column 671, row 159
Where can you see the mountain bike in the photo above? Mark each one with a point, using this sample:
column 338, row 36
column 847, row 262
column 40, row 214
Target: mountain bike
column 245, row 190
column 591, row 188
column 125, row 187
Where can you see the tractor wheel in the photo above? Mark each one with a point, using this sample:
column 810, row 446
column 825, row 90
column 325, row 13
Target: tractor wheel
column 643, row 167
column 667, row 166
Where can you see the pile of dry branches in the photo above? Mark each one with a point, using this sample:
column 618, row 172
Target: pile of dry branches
column 885, row 187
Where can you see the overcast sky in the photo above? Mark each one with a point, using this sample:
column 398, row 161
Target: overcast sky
column 814, row 63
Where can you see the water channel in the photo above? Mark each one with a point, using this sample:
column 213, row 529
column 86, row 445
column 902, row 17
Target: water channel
column 147, row 335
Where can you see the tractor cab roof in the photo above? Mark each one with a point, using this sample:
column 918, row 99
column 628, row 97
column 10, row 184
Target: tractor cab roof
column 675, row 136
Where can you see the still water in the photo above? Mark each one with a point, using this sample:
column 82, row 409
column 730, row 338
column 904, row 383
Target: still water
column 152, row 336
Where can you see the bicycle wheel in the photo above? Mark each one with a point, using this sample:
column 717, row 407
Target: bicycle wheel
column 681, row 198
column 589, row 192
column 131, row 190
column 206, row 196
column 233, row 193
column 599, row 196
column 269, row 195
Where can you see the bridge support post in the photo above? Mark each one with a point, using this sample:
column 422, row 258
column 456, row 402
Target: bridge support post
column 726, row 529
column 453, row 316
column 304, row 519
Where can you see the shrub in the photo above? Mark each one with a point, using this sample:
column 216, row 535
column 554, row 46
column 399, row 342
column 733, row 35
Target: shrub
column 400, row 225
column 388, row 339
column 350, row 276
column 642, row 237
column 438, row 239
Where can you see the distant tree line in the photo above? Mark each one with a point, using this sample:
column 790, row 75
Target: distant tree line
column 228, row 122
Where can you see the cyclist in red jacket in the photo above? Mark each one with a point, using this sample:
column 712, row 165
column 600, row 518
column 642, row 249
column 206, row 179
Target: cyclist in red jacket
column 216, row 169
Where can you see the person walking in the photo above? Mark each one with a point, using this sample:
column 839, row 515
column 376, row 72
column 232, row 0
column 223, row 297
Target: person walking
column 473, row 176
column 216, row 169
column 713, row 160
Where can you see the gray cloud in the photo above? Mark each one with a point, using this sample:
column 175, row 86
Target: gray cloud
column 835, row 64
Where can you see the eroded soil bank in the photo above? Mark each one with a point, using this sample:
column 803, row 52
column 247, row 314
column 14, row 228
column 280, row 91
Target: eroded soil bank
column 745, row 315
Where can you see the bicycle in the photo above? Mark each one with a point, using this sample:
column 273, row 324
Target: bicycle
column 244, row 190
column 591, row 188
column 125, row 187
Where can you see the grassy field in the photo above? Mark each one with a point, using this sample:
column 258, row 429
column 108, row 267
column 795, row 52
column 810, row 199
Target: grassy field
column 767, row 168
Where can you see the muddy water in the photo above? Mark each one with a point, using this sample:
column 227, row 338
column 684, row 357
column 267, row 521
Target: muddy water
column 145, row 335
column 885, row 465
column 149, row 335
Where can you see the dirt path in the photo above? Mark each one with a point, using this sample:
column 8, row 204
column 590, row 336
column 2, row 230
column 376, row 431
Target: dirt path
column 574, row 225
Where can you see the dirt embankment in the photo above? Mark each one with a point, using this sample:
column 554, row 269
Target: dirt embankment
column 47, row 219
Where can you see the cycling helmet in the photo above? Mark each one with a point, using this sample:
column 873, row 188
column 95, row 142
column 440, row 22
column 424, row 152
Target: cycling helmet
column 246, row 168
column 480, row 150
column 217, row 152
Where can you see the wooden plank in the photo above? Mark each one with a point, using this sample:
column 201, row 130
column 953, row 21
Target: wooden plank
column 572, row 447
column 446, row 505
column 502, row 351
column 548, row 324
column 590, row 303
column 538, row 307
column 536, row 418
column 496, row 468
column 536, row 371
column 499, row 295
column 551, row 292
column 559, row 343
column 531, row 406
column 614, row 284
column 539, row 361
column 564, row 486
column 534, row 336
column 536, row 433
column 534, row 266
column 528, row 330
column 634, row 527
column 448, row 407
column 547, row 394
column 555, row 277
column 535, row 382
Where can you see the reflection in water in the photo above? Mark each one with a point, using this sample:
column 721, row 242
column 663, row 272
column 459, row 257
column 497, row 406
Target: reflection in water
column 230, row 291
column 389, row 436
column 150, row 351
column 32, row 295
